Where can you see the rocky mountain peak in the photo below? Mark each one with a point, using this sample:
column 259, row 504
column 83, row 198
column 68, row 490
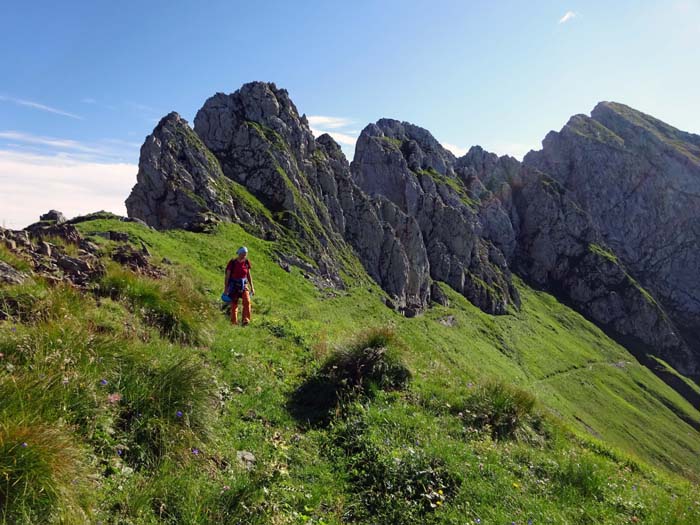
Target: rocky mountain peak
column 259, row 103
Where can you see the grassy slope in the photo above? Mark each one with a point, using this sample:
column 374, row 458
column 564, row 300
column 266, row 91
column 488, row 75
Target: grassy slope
column 578, row 373
column 569, row 363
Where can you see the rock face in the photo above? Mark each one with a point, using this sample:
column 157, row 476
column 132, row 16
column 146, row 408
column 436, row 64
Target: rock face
column 560, row 249
column 406, row 165
column 262, row 143
column 637, row 182
column 180, row 183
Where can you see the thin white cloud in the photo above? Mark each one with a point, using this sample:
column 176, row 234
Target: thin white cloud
column 569, row 15
column 31, row 184
column 340, row 128
column 326, row 122
column 105, row 150
column 89, row 100
column 39, row 106
column 50, row 142
column 340, row 138
column 456, row 150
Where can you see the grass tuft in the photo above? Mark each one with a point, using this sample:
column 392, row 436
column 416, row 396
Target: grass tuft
column 41, row 472
column 499, row 408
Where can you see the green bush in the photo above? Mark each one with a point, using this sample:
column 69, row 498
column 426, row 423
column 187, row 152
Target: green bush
column 367, row 364
column 499, row 408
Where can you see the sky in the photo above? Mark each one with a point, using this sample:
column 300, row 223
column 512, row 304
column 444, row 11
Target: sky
column 83, row 83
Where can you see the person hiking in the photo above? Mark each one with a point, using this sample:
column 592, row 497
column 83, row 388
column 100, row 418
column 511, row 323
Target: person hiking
column 238, row 279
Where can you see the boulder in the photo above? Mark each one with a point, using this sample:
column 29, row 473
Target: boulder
column 53, row 215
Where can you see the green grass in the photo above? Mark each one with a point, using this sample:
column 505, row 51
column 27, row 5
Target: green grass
column 597, row 437
column 453, row 183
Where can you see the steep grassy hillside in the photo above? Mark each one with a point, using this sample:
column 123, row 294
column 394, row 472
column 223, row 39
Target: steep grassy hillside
column 134, row 404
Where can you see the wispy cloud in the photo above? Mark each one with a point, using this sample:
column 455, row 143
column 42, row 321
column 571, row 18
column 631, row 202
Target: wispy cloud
column 569, row 15
column 340, row 128
column 340, row 138
column 104, row 150
column 456, row 150
column 31, row 183
column 89, row 100
column 326, row 122
column 37, row 105
column 50, row 142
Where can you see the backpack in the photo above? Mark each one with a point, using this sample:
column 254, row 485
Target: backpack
column 237, row 286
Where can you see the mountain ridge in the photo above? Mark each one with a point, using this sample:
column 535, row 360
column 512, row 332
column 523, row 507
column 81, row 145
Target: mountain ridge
column 415, row 214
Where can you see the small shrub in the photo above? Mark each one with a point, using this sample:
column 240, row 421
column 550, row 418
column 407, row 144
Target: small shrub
column 367, row 364
column 41, row 473
column 500, row 408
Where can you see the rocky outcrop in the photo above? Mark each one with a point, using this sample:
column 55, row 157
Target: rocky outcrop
column 636, row 181
column 263, row 143
column 56, row 251
column 388, row 242
column 10, row 275
column 404, row 164
column 180, row 183
column 37, row 247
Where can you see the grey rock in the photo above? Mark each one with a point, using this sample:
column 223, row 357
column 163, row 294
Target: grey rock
column 54, row 215
column 405, row 165
column 247, row 459
column 73, row 265
column 10, row 275
column 179, row 182
column 438, row 296
column 262, row 143
column 45, row 248
column 560, row 249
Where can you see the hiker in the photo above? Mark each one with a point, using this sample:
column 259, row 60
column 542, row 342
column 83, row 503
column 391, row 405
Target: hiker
column 238, row 279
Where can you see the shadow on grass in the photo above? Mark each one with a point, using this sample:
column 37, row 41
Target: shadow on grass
column 315, row 402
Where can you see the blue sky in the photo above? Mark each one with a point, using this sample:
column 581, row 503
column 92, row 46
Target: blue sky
column 83, row 83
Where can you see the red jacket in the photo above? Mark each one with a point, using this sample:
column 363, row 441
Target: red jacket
column 239, row 269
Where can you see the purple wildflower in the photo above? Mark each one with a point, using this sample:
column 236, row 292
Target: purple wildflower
column 24, row 445
column 195, row 451
column 103, row 382
column 119, row 452
column 178, row 413
column 14, row 328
